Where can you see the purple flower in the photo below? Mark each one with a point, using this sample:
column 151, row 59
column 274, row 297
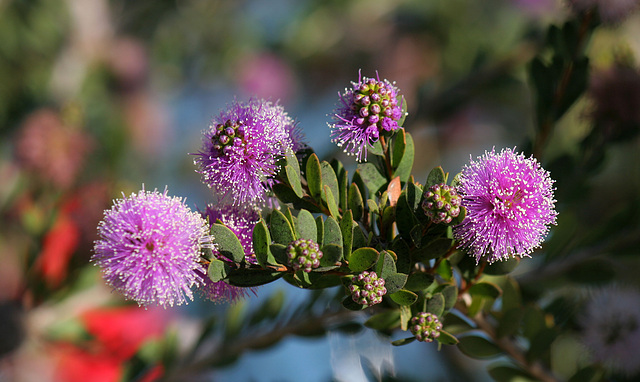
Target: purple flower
column 149, row 248
column 510, row 204
column 241, row 147
column 366, row 111
column 241, row 221
column 611, row 329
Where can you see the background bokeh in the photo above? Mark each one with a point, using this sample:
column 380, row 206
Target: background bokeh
column 99, row 97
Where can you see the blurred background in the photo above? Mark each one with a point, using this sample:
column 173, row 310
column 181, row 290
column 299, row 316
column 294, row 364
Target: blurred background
column 98, row 97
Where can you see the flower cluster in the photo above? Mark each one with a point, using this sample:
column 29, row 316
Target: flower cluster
column 441, row 203
column 149, row 248
column 367, row 288
column 366, row 111
column 304, row 254
column 425, row 326
column 510, row 205
column 240, row 150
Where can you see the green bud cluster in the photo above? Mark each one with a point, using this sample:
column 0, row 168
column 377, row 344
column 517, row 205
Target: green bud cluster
column 373, row 102
column 304, row 254
column 441, row 203
column 227, row 135
column 425, row 326
column 367, row 289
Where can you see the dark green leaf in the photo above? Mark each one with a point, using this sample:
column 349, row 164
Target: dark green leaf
column 509, row 323
column 372, row 178
column 541, row 344
column 348, row 303
column 373, row 206
column 394, row 282
column 403, row 104
column 450, row 293
column 485, row 289
column 447, row 338
column 332, row 233
column 433, row 250
column 363, row 258
column 279, row 252
column 405, row 218
column 398, row 148
column 217, row 270
column 355, row 202
column 320, row 230
column 436, row 176
column 331, row 254
column 386, row 266
column 346, row 227
column 343, row 184
column 261, row 243
column 357, row 179
column 435, row 304
column 404, row 297
column 329, row 179
column 375, row 149
column 245, row 277
column 281, row 230
column 228, row 244
column 419, row 281
column 508, row 373
column 478, row 347
column 331, row 202
column 503, row 267
column 314, row 176
column 306, row 226
column 401, row 249
column 359, row 240
column 384, row 321
column 404, row 341
column 293, row 178
column 402, row 168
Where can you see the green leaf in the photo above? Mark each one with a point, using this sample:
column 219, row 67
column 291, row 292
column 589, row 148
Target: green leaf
column 228, row 244
column 404, row 297
column 404, row 341
column 355, row 202
column 485, row 289
column 507, row 373
column 404, row 216
column 362, row 259
column 402, row 168
column 478, row 347
column 359, row 240
column 435, row 304
column 306, row 226
column 541, row 344
column 261, row 243
column 320, row 230
column 332, row 233
column 419, row 281
column 375, row 149
column 503, row 267
column 293, row 178
column 386, row 266
column 348, row 303
column 346, row 227
column 403, row 104
column 279, row 252
column 314, row 176
column 330, row 180
column 372, row 178
column 433, row 250
column 394, row 282
column 330, row 201
column 450, row 293
column 343, row 184
column 373, row 206
column 398, row 148
column 281, row 230
column 436, row 176
column 247, row 277
column 402, row 251
column 357, row 179
column 446, row 338
column 217, row 270
column 331, row 254
column 509, row 323
column 384, row 321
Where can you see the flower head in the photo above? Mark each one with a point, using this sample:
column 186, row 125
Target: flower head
column 304, row 254
column 425, row 326
column 241, row 147
column 369, row 109
column 241, row 221
column 149, row 248
column 509, row 203
column 367, row 288
column 611, row 329
column 441, row 203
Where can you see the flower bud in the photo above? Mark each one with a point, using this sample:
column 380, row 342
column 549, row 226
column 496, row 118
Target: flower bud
column 425, row 326
column 304, row 254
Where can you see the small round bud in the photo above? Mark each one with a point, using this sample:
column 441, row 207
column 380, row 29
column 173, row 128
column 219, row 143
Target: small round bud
column 425, row 326
column 441, row 203
column 367, row 289
column 304, row 254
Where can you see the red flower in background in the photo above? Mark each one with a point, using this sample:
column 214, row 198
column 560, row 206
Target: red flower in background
column 78, row 365
column 57, row 247
column 123, row 330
